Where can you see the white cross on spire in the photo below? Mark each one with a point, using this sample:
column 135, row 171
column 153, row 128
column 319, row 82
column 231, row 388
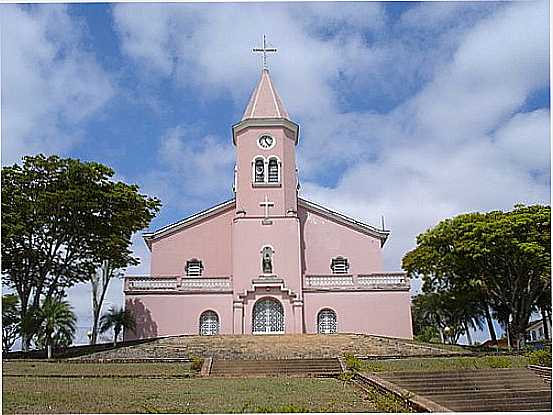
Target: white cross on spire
column 266, row 204
column 264, row 50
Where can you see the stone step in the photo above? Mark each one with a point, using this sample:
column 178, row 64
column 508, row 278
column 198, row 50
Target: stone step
column 307, row 367
column 476, row 392
column 492, row 395
column 461, row 373
column 500, row 407
column 470, row 383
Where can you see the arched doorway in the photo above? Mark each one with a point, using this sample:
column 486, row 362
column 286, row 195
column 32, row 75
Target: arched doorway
column 268, row 317
column 326, row 321
column 209, row 323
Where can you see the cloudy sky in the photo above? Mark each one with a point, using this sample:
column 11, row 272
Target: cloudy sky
column 414, row 111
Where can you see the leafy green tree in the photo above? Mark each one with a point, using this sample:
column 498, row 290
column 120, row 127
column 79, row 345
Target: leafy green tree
column 10, row 321
column 504, row 257
column 117, row 319
column 61, row 218
column 57, row 325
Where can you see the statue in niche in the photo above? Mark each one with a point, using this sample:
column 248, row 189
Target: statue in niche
column 267, row 260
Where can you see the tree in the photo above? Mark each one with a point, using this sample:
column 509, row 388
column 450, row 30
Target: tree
column 57, row 324
column 10, row 321
column 504, row 257
column 61, row 218
column 117, row 319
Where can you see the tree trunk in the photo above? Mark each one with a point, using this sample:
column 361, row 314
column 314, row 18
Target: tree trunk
column 467, row 331
column 545, row 325
column 115, row 335
column 49, row 346
column 95, row 317
column 491, row 328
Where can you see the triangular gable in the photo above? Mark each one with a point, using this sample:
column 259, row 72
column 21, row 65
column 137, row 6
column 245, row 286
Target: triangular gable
column 381, row 234
column 149, row 237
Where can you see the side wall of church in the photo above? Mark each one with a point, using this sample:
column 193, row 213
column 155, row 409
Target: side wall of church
column 164, row 315
column 382, row 313
column 323, row 239
column 209, row 241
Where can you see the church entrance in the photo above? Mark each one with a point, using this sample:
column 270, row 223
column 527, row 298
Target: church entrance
column 268, row 317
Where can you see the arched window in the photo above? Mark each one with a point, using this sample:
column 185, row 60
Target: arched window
column 274, row 176
column 209, row 323
column 326, row 321
column 259, row 170
column 339, row 265
column 194, row 268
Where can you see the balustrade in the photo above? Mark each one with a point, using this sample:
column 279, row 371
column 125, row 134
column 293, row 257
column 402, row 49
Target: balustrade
column 365, row 281
column 177, row 283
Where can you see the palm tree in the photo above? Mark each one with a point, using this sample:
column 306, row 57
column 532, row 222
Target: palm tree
column 118, row 319
column 57, row 323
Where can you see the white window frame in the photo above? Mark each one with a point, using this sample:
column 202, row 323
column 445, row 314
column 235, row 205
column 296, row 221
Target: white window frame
column 187, row 271
column 204, row 314
column 342, row 258
column 265, row 173
column 279, row 169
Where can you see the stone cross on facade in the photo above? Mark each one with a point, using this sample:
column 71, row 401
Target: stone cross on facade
column 266, row 204
column 264, row 50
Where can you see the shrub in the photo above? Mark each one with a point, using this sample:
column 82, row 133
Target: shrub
column 197, row 363
column 539, row 357
column 345, row 376
column 352, row 362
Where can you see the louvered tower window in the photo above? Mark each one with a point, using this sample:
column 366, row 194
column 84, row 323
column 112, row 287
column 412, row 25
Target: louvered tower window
column 339, row 265
column 273, row 171
column 259, row 171
column 194, row 268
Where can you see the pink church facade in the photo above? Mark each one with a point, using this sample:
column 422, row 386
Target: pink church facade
column 267, row 261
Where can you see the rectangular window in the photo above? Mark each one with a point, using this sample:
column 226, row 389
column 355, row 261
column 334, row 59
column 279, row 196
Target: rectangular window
column 339, row 265
column 273, row 171
column 194, row 268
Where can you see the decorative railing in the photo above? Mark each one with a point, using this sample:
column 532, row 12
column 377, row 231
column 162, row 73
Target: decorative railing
column 328, row 280
column 391, row 280
column 177, row 283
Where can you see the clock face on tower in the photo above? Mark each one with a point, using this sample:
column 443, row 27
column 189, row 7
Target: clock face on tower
column 266, row 142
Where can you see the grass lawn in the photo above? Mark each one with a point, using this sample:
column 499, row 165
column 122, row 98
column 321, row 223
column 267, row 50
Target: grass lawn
column 443, row 363
column 42, row 368
column 194, row 395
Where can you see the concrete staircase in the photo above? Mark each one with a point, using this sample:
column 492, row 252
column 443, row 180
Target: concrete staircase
column 488, row 390
column 288, row 346
column 282, row 367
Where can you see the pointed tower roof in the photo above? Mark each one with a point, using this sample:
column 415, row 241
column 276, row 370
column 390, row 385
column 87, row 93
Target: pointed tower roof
column 265, row 101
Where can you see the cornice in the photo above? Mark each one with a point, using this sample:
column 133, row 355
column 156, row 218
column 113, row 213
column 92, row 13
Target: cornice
column 266, row 122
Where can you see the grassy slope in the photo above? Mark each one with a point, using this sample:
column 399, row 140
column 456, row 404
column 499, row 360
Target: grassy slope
column 196, row 395
column 440, row 363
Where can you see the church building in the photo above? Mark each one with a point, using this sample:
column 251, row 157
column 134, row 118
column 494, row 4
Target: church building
column 267, row 261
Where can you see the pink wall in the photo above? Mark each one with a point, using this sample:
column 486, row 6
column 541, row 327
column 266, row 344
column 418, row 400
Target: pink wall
column 163, row 315
column 382, row 313
column 323, row 239
column 209, row 241
column 248, row 197
column 249, row 236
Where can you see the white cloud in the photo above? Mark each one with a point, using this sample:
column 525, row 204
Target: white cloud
column 50, row 85
column 452, row 142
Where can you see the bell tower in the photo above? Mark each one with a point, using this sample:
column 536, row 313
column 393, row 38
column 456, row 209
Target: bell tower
column 266, row 258
column 265, row 141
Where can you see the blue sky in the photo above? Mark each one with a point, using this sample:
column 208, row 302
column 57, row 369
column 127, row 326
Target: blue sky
column 415, row 111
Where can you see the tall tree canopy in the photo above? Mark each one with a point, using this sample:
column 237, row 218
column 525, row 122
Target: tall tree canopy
column 504, row 257
column 60, row 219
